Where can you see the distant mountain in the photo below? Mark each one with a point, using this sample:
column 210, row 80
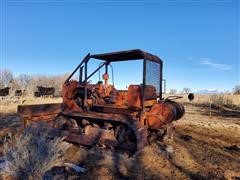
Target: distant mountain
column 206, row 91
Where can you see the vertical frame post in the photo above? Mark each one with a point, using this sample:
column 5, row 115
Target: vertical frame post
column 143, row 85
column 106, row 68
column 85, row 82
column 84, row 60
column 161, row 79
column 80, row 74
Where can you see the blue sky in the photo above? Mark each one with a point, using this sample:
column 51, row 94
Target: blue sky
column 198, row 41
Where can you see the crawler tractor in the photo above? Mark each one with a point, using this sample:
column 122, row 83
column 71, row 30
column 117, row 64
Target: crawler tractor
column 99, row 114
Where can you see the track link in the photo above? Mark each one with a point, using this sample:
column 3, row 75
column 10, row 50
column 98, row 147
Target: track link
column 109, row 130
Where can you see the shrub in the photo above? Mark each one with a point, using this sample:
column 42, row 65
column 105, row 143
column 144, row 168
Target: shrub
column 236, row 90
column 221, row 100
column 35, row 151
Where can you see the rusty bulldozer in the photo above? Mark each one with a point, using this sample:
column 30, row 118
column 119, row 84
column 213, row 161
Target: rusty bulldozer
column 99, row 114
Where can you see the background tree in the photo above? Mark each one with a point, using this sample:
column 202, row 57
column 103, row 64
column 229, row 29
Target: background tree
column 186, row 90
column 236, row 89
column 30, row 82
column 23, row 80
column 6, row 77
column 173, row 91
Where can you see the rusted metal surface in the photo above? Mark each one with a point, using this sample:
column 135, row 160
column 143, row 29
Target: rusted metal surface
column 68, row 91
column 38, row 112
column 39, row 109
column 97, row 116
column 135, row 95
column 126, row 55
column 119, row 97
column 124, row 110
column 92, row 136
column 163, row 113
column 138, row 131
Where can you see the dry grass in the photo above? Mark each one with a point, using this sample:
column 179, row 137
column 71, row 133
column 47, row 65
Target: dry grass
column 9, row 105
column 33, row 153
column 221, row 100
column 231, row 101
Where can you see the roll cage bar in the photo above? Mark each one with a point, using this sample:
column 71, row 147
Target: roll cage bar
column 129, row 55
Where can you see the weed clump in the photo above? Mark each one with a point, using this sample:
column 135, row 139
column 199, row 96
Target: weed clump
column 221, row 100
column 33, row 153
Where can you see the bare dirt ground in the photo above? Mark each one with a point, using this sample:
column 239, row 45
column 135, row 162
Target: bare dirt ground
column 203, row 147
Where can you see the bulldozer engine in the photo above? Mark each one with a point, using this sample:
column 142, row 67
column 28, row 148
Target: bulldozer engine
column 99, row 114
